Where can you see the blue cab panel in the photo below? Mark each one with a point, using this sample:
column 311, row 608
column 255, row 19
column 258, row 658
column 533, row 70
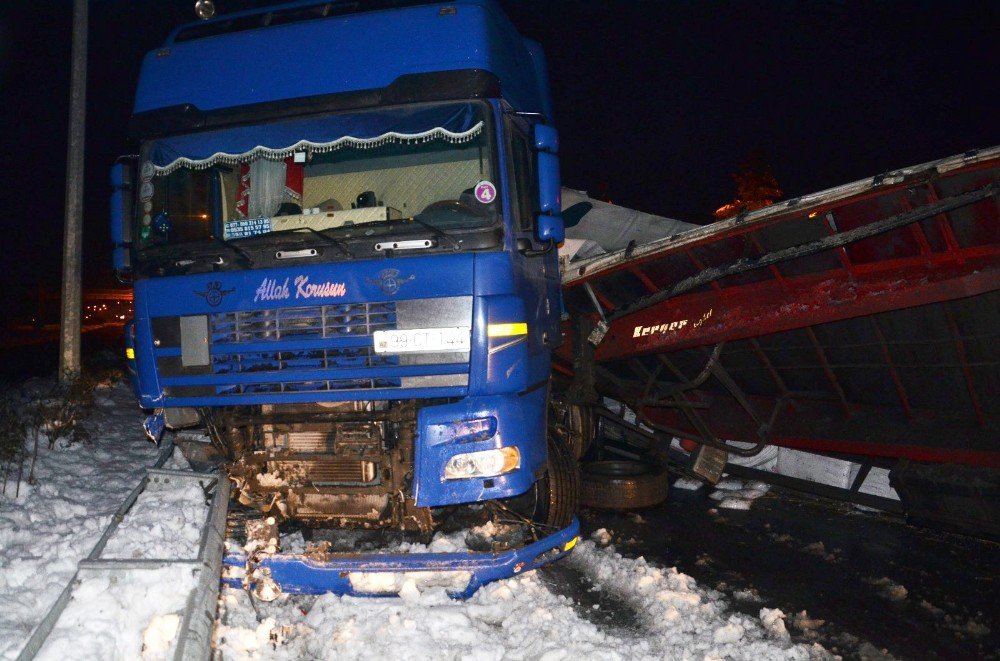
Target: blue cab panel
column 343, row 53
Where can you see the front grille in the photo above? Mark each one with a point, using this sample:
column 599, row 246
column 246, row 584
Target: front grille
column 346, row 320
column 309, row 359
column 315, row 349
column 316, row 322
column 327, row 385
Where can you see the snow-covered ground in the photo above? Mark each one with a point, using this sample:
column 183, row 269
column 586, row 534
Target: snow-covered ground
column 518, row 618
column 125, row 615
column 56, row 522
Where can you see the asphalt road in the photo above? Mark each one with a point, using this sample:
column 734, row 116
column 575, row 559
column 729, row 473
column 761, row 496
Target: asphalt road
column 882, row 588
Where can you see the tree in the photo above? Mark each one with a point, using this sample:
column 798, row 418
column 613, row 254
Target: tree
column 756, row 188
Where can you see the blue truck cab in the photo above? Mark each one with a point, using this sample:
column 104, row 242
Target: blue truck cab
column 341, row 229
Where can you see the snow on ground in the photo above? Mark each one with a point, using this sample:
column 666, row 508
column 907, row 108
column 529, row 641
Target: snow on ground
column 56, row 522
column 105, row 621
column 518, row 618
column 736, row 494
column 731, row 493
column 163, row 523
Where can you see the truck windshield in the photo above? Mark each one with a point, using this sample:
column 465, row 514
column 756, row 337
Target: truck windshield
column 413, row 170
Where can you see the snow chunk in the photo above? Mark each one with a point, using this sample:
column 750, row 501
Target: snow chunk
column 735, row 494
column 735, row 504
column 773, row 620
column 688, row 483
column 888, row 589
column 730, row 633
column 601, row 536
column 805, row 623
column 159, row 635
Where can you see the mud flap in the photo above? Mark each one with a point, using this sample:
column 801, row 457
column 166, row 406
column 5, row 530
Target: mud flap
column 154, row 425
column 709, row 463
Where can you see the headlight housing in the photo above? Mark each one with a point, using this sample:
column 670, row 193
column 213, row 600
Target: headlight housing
column 487, row 463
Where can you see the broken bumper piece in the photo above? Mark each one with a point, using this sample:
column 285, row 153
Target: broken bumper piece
column 380, row 575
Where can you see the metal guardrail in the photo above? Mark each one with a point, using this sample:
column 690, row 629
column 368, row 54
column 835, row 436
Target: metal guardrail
column 195, row 633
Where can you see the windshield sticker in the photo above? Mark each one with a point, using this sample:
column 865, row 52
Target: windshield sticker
column 270, row 290
column 244, row 227
column 486, row 192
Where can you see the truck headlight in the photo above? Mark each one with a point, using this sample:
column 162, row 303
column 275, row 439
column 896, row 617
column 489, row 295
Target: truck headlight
column 488, row 463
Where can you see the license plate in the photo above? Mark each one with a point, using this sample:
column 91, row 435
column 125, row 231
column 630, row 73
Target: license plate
column 423, row 340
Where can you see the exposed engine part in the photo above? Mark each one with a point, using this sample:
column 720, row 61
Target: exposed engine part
column 348, row 463
column 262, row 536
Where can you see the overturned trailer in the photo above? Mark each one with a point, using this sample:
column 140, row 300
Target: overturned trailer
column 860, row 321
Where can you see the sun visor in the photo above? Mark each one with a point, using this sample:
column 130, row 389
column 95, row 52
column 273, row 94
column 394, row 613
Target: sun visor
column 277, row 141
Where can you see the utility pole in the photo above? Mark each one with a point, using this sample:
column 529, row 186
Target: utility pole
column 69, row 341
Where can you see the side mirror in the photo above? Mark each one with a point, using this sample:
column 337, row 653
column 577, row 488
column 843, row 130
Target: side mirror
column 549, row 189
column 122, row 212
column 546, row 139
column 550, row 223
column 550, row 228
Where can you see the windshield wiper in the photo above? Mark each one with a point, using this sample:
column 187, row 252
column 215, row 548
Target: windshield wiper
column 337, row 243
column 439, row 233
column 247, row 259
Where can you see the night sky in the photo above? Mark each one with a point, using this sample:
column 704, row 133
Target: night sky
column 657, row 103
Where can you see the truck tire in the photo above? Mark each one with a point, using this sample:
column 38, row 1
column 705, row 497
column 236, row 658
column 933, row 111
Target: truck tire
column 563, row 478
column 580, row 423
column 555, row 498
column 622, row 485
column 574, row 423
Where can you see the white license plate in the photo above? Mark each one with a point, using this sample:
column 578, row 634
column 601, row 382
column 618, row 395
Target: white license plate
column 423, row 340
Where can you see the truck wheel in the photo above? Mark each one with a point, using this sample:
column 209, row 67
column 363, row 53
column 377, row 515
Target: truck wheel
column 574, row 423
column 622, row 485
column 555, row 498
column 563, row 485
column 580, row 422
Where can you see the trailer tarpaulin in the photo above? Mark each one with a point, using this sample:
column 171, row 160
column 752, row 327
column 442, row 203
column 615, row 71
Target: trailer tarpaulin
column 594, row 227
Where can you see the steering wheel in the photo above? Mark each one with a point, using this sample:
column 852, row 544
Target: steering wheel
column 454, row 206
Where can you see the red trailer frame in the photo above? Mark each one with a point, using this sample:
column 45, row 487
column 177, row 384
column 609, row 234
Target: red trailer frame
column 864, row 319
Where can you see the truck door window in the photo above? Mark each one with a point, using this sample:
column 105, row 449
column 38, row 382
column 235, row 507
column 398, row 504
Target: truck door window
column 525, row 181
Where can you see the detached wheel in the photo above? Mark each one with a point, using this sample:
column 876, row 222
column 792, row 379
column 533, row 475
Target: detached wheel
column 622, row 485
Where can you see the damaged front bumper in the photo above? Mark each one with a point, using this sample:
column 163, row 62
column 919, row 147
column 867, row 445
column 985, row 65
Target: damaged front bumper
column 380, row 575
